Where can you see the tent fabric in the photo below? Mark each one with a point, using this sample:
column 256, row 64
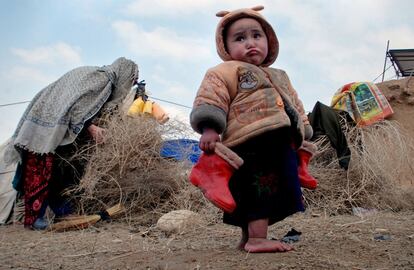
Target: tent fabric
column 181, row 149
column 7, row 192
column 364, row 102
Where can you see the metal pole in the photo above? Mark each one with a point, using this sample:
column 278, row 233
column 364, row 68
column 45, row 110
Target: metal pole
column 385, row 61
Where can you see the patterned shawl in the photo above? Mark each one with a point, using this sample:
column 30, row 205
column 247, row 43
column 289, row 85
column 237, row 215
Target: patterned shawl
column 57, row 114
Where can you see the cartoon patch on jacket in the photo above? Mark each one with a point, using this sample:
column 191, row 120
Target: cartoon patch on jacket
column 247, row 80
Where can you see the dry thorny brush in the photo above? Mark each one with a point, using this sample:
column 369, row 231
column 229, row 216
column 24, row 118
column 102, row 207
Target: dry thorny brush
column 378, row 176
column 128, row 168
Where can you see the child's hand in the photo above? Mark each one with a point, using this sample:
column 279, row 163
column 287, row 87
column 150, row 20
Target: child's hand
column 96, row 133
column 208, row 140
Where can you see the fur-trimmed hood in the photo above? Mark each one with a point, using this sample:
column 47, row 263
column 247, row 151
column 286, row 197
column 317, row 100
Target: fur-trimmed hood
column 229, row 17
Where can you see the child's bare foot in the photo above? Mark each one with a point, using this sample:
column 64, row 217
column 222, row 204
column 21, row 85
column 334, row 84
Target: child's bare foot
column 256, row 245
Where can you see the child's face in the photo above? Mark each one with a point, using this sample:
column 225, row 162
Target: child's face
column 246, row 41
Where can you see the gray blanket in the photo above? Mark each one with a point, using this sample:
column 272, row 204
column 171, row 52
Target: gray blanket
column 57, row 114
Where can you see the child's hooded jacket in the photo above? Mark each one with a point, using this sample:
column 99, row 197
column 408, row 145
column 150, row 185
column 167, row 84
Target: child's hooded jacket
column 241, row 100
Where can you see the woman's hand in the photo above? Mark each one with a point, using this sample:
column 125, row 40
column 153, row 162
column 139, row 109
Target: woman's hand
column 96, row 133
column 208, row 140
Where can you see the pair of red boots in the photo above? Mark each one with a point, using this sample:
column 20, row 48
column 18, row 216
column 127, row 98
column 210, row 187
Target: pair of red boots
column 212, row 173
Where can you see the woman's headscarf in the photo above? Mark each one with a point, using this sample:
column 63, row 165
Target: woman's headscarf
column 57, row 114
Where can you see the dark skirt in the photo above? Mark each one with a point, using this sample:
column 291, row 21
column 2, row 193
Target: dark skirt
column 267, row 185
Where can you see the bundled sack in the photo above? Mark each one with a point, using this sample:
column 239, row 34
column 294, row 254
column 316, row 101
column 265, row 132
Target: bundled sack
column 364, row 102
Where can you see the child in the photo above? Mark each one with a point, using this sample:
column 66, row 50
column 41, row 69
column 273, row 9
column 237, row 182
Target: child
column 253, row 110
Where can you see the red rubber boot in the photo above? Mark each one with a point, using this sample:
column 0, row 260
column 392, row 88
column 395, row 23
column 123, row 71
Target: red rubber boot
column 306, row 180
column 212, row 174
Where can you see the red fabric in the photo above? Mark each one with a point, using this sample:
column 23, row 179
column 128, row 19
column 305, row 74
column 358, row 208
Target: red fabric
column 37, row 173
column 306, row 180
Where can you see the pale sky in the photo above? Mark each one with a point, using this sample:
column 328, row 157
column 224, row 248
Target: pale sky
column 323, row 44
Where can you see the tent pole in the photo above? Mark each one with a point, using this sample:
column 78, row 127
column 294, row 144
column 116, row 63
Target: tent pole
column 385, row 61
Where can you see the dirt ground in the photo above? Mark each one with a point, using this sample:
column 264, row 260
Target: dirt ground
column 380, row 240
column 400, row 94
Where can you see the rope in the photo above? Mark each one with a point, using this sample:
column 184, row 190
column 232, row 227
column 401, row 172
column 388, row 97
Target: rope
column 14, row 103
column 381, row 73
column 163, row 100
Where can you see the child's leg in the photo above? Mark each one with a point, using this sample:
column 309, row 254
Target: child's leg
column 258, row 241
column 244, row 238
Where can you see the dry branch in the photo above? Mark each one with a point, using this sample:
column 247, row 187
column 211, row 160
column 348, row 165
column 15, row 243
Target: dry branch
column 129, row 169
column 381, row 161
